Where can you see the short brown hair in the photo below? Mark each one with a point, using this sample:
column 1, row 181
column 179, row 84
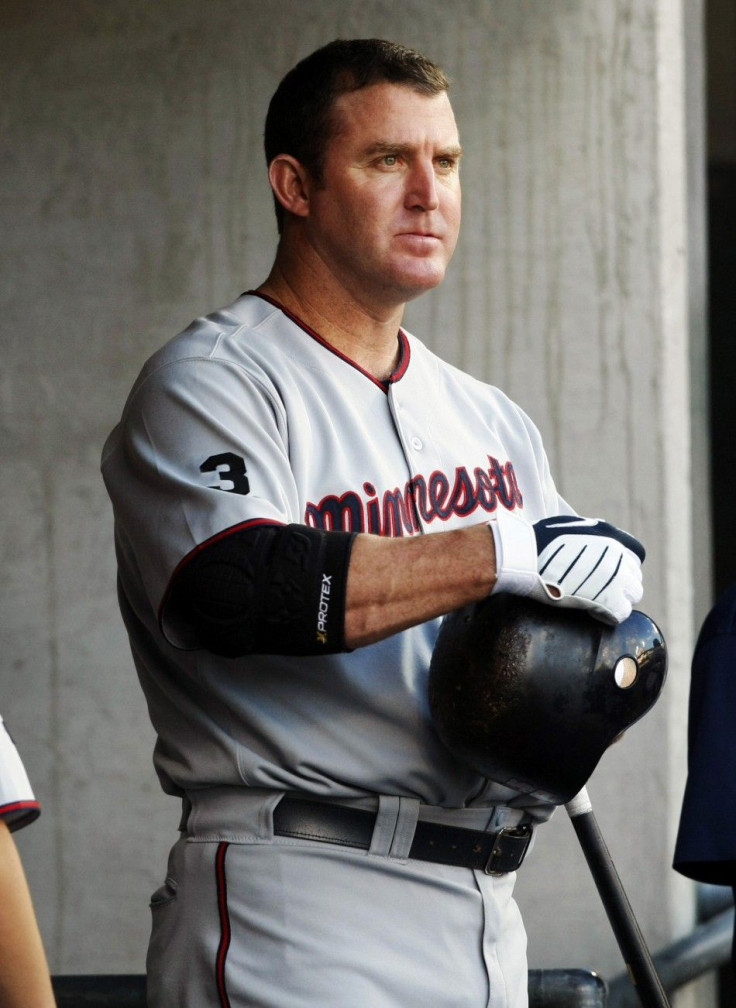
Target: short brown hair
column 298, row 121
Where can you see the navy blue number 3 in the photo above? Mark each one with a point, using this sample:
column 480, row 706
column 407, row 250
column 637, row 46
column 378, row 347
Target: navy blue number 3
column 230, row 469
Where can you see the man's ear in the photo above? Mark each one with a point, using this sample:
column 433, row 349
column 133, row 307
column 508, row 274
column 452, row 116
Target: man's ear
column 290, row 183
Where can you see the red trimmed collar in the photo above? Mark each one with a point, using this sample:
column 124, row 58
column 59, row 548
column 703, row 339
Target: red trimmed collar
column 404, row 350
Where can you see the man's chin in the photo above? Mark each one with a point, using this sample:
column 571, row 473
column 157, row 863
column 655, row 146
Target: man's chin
column 416, row 282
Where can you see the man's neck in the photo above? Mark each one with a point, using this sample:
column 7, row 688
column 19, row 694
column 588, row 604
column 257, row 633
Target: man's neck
column 368, row 337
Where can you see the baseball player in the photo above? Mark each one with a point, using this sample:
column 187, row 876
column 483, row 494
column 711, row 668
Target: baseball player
column 301, row 489
column 706, row 841
column 24, row 974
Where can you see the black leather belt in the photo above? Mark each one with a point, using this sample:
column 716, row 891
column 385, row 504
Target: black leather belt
column 493, row 853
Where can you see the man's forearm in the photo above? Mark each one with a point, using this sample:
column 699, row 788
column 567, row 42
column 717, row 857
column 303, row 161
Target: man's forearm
column 396, row 583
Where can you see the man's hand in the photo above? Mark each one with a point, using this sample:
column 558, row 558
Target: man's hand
column 578, row 563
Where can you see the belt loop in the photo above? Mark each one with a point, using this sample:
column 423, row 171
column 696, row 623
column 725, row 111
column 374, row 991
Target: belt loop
column 406, row 826
column 385, row 826
column 396, row 823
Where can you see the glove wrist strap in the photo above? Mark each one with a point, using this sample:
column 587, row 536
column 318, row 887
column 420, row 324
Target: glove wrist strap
column 516, row 555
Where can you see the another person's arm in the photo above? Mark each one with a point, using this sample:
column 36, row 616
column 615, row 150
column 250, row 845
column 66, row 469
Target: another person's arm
column 24, row 973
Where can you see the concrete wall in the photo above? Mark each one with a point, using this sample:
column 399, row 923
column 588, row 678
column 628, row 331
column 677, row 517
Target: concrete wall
column 133, row 198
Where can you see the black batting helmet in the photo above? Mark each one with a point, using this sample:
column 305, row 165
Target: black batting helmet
column 531, row 696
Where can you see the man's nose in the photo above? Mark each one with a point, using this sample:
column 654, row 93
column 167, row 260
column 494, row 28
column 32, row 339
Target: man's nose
column 422, row 186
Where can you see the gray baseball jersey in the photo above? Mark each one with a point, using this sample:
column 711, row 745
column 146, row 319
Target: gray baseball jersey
column 244, row 418
column 249, row 417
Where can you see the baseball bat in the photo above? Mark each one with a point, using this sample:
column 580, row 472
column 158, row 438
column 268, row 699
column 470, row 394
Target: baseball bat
column 630, row 940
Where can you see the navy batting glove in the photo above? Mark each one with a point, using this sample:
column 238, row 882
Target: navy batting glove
column 548, row 530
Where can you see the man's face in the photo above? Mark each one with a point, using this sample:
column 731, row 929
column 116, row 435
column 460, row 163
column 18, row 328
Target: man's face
column 385, row 219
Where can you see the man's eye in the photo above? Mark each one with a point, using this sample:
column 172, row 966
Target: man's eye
column 390, row 159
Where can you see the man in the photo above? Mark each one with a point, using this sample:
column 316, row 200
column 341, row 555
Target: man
column 273, row 475
column 706, row 840
column 24, row 973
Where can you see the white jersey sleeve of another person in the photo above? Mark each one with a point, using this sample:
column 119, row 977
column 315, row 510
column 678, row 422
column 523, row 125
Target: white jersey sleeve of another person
column 18, row 804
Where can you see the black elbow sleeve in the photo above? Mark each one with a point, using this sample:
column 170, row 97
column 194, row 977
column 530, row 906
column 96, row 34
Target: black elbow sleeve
column 269, row 589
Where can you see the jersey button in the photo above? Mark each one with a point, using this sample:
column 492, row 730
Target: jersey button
column 417, row 444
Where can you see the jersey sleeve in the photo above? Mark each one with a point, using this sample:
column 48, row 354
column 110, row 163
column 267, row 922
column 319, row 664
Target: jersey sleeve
column 18, row 804
column 202, row 449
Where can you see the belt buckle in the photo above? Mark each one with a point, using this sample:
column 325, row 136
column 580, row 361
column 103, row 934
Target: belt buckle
column 509, row 849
